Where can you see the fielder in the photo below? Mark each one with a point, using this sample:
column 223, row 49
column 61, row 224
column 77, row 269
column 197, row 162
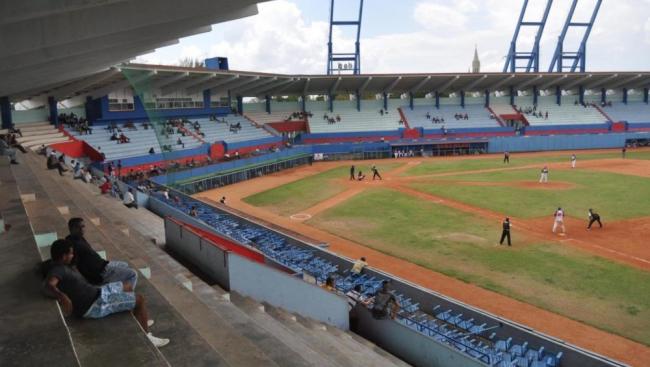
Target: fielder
column 543, row 178
column 375, row 173
column 573, row 161
column 559, row 221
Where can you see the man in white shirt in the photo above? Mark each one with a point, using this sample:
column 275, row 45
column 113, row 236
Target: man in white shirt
column 559, row 220
column 573, row 160
column 129, row 199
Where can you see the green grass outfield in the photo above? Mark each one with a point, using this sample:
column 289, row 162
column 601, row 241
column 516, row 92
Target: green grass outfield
column 516, row 160
column 614, row 196
column 599, row 292
column 302, row 194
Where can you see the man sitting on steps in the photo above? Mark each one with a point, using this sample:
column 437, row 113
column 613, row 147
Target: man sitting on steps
column 95, row 269
column 79, row 298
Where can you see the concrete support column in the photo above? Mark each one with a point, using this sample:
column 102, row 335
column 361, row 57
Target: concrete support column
column 358, row 98
column 240, row 105
column 512, row 95
column 385, row 100
column 5, row 112
column 624, row 95
column 207, row 99
column 267, row 100
column 437, row 100
column 558, row 95
column 229, row 100
column 54, row 113
column 411, row 100
column 581, row 94
column 330, row 102
column 462, row 98
column 487, row 98
column 603, row 95
column 535, row 95
column 303, row 104
column 645, row 95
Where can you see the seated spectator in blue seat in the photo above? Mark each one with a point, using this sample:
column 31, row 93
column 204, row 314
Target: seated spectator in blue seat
column 80, row 298
column 129, row 200
column 92, row 266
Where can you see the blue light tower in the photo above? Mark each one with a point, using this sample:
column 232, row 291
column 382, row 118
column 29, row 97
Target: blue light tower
column 579, row 57
column 349, row 57
column 533, row 56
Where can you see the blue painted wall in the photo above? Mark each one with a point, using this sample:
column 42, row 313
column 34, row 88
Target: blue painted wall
column 561, row 142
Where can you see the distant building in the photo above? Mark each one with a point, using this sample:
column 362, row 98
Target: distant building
column 476, row 63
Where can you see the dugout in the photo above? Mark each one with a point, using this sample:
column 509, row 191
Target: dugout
column 434, row 148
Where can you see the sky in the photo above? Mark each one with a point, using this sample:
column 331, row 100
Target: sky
column 410, row 36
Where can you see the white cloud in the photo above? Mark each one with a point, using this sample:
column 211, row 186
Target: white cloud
column 282, row 39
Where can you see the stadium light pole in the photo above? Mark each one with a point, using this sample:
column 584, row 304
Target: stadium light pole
column 532, row 56
column 353, row 57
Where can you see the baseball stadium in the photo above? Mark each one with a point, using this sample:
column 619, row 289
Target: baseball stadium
column 259, row 199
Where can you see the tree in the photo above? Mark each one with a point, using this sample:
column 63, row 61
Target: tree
column 191, row 63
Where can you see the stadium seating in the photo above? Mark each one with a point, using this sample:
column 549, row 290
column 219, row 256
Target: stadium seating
column 567, row 113
column 219, row 131
column 445, row 327
column 141, row 140
column 478, row 117
column 264, row 117
column 354, row 121
column 632, row 112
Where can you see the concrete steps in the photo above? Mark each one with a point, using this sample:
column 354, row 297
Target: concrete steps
column 117, row 339
column 241, row 331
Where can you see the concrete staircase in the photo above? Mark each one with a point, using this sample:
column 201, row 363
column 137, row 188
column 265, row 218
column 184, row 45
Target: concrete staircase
column 207, row 325
column 40, row 133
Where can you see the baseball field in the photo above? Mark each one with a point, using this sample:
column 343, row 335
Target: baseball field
column 437, row 222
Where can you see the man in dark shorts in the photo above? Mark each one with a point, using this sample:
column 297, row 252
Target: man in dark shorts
column 506, row 157
column 352, row 176
column 385, row 304
column 375, row 172
column 623, row 152
column 593, row 217
column 506, row 231
column 79, row 298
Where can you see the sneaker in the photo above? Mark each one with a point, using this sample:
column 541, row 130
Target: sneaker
column 13, row 162
column 157, row 342
column 150, row 323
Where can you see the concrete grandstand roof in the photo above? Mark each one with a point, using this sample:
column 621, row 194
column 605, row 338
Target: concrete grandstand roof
column 172, row 79
column 49, row 42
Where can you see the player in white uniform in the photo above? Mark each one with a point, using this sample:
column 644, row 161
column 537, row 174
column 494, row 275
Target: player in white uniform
column 559, row 220
column 573, row 161
column 544, row 176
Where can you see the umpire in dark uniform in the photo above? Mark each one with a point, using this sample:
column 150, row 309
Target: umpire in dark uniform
column 506, row 231
column 352, row 177
column 593, row 217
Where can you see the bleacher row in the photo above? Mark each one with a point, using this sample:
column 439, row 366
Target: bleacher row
column 478, row 116
column 453, row 330
column 142, row 140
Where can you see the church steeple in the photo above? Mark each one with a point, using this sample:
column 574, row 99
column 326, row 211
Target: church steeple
column 476, row 63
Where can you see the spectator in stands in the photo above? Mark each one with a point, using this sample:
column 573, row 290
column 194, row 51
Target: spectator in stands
column 13, row 130
column 428, row 116
column 77, row 296
column 119, row 168
column 129, row 199
column 114, row 137
column 87, row 177
column 152, row 151
column 91, row 265
column 42, row 150
column 123, row 139
column 223, row 200
column 338, row 118
column 165, row 194
column 193, row 212
column 330, row 284
column 179, row 142
column 381, row 111
column 53, row 162
column 358, row 266
column 5, row 149
column 386, row 304
column 77, row 173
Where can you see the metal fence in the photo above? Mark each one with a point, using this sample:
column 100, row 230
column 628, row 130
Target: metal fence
column 356, row 155
column 245, row 173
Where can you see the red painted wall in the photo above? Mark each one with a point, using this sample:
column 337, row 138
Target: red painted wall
column 289, row 126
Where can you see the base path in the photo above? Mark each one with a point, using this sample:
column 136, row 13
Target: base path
column 547, row 322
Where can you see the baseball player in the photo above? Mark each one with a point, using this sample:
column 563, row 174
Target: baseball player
column 352, row 176
column 506, row 157
column 593, row 217
column 506, row 231
column 375, row 172
column 559, row 221
column 544, row 176
column 573, row 161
